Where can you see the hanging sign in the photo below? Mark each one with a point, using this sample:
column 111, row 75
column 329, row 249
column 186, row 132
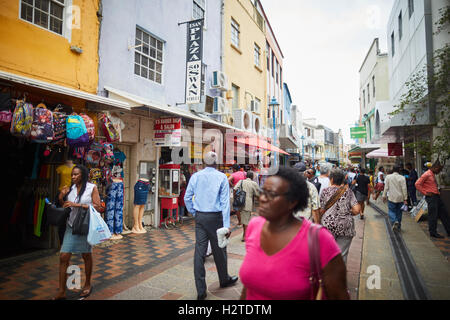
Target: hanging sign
column 358, row 133
column 167, row 132
column 194, row 61
column 395, row 149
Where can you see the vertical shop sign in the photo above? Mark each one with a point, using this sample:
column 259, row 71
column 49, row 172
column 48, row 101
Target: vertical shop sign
column 194, row 61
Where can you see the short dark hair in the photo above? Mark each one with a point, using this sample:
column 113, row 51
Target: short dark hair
column 250, row 174
column 362, row 170
column 338, row 176
column 236, row 167
column 396, row 169
column 298, row 189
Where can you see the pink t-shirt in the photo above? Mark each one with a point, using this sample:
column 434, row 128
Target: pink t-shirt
column 284, row 275
column 238, row 176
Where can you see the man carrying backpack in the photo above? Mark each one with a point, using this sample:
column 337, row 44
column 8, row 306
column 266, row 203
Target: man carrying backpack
column 251, row 190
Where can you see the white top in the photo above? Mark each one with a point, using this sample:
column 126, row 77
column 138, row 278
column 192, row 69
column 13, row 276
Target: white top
column 86, row 198
column 324, row 183
column 379, row 177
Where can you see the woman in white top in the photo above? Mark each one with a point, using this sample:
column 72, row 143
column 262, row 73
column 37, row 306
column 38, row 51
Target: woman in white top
column 80, row 195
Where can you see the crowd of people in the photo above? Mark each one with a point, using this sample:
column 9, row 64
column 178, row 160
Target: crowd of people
column 297, row 244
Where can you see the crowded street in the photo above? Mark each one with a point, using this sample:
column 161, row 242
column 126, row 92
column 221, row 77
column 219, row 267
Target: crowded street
column 222, row 157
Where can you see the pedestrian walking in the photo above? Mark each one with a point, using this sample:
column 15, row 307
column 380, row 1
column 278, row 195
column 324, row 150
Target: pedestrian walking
column 211, row 208
column 277, row 265
column 311, row 211
column 361, row 183
column 233, row 179
column 324, row 179
column 81, row 195
column 411, row 183
column 396, row 194
column 371, row 186
column 379, row 183
column 310, row 175
column 338, row 206
column 251, row 190
column 427, row 185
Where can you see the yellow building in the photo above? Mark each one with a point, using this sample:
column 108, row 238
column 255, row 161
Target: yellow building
column 41, row 42
column 244, row 57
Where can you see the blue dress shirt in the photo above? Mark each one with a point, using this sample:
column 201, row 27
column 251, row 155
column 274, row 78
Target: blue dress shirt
column 211, row 193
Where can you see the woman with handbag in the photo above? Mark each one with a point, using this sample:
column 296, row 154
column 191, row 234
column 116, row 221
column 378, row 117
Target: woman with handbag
column 338, row 206
column 79, row 197
column 283, row 260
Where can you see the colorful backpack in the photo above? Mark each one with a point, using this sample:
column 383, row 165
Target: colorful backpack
column 90, row 127
column 59, row 127
column 42, row 127
column 109, row 131
column 76, row 132
column 22, row 119
column 95, row 176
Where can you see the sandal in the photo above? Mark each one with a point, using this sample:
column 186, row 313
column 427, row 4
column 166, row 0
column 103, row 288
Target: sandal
column 86, row 293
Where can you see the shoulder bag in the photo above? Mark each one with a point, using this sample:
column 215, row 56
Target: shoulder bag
column 239, row 197
column 81, row 222
column 315, row 277
column 337, row 195
column 56, row 216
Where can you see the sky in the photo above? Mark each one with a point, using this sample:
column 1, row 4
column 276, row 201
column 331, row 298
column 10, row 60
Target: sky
column 324, row 43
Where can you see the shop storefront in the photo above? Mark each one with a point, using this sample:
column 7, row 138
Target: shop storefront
column 38, row 157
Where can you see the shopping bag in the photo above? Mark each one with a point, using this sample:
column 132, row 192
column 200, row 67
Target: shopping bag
column 98, row 229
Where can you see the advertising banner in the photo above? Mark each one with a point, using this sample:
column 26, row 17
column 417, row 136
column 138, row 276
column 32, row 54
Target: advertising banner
column 167, row 132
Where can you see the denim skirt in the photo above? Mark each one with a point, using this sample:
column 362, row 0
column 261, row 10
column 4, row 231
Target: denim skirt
column 74, row 243
column 141, row 190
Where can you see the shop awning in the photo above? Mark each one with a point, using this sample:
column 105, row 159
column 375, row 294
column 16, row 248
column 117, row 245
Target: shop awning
column 261, row 144
column 136, row 102
column 380, row 153
column 63, row 90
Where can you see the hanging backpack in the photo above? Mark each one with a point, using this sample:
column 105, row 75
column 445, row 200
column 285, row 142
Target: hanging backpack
column 42, row 127
column 22, row 119
column 90, row 127
column 109, row 131
column 94, row 155
column 59, row 127
column 76, row 132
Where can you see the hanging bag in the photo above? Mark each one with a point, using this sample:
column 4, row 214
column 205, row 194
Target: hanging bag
column 89, row 126
column 56, row 216
column 42, row 127
column 109, row 130
column 77, row 134
column 59, row 124
column 22, row 119
column 98, row 229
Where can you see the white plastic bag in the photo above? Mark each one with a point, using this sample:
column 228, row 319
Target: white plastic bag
column 222, row 239
column 98, row 229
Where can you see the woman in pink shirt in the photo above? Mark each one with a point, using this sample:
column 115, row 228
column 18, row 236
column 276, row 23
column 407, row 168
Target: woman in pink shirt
column 276, row 264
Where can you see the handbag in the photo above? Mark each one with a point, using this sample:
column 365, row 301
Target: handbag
column 56, row 216
column 239, row 197
column 315, row 277
column 81, row 222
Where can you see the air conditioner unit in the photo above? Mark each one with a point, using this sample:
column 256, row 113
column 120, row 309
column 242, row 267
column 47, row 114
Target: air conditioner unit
column 217, row 117
column 255, row 106
column 256, row 124
column 219, row 80
column 205, row 106
column 219, row 105
column 242, row 119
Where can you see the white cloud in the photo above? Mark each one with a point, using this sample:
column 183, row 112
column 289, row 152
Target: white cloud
column 324, row 43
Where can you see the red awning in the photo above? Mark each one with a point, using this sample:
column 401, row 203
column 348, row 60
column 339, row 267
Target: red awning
column 260, row 143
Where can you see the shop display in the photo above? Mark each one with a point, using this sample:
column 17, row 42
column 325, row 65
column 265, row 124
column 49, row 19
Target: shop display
column 141, row 191
column 109, row 130
column 22, row 119
column 42, row 126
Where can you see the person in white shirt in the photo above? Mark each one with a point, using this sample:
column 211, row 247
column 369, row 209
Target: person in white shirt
column 396, row 193
column 325, row 170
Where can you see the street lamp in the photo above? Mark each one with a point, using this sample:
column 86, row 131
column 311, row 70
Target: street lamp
column 274, row 103
column 303, row 147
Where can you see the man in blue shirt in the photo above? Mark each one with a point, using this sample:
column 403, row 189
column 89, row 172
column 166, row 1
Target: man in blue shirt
column 207, row 198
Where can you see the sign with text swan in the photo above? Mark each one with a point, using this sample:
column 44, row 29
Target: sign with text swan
column 194, row 61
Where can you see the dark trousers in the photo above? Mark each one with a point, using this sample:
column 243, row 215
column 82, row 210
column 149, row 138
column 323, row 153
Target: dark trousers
column 436, row 209
column 395, row 212
column 206, row 225
column 412, row 195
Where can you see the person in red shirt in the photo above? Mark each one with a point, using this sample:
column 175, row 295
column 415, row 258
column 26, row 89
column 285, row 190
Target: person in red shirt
column 428, row 186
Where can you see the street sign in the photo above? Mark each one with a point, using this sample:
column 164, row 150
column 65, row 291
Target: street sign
column 358, row 133
column 167, row 132
column 395, row 149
